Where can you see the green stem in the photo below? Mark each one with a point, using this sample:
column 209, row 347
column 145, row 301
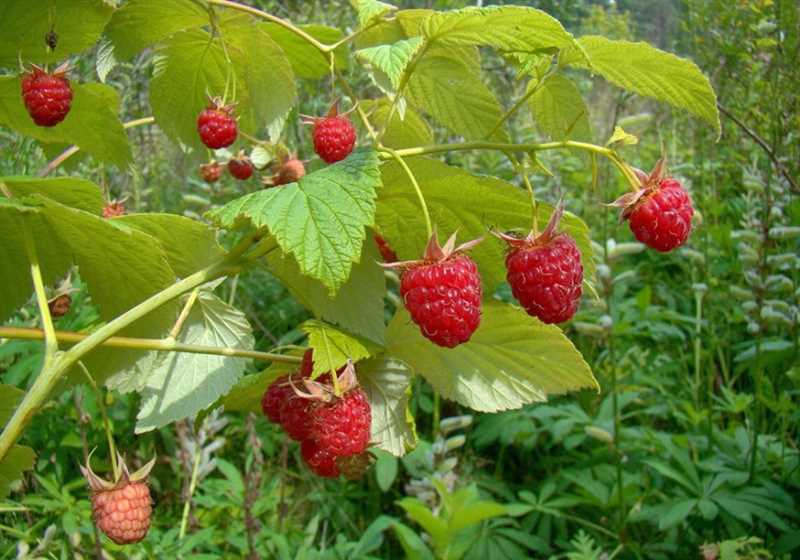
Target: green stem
column 436, row 415
column 187, row 308
column 395, row 154
column 520, row 102
column 401, row 88
column 192, row 485
column 361, row 114
column 112, row 449
column 50, row 341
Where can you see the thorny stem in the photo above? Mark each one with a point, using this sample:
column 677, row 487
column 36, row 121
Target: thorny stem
column 50, row 341
column 395, row 154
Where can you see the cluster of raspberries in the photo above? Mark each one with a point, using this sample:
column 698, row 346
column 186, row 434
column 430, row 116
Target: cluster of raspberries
column 333, row 431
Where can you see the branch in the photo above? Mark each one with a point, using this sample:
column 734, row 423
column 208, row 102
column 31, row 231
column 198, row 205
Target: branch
column 166, row 345
column 49, row 333
column 764, row 146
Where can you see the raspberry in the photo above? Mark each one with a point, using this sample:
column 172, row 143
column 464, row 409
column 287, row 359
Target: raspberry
column 59, row 305
column 114, row 209
column 240, row 167
column 274, row 397
column 386, row 251
column 216, row 125
column 342, row 427
column 211, row 172
column 47, row 97
column 660, row 211
column 320, row 461
column 662, row 219
column 290, row 171
column 121, row 509
column 353, row 467
column 295, row 418
column 442, row 292
column 334, row 136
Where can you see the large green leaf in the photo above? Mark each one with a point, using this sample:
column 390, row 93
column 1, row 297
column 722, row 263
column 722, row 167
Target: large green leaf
column 357, row 307
column 559, row 110
column 92, row 122
column 19, row 458
column 511, row 360
column 306, row 60
column 508, row 28
column 447, row 85
column 77, row 23
column 182, row 384
column 646, row 70
column 387, row 384
column 69, row 191
column 333, row 348
column 404, row 131
column 321, row 220
column 471, row 204
column 143, row 23
column 393, row 59
column 369, row 10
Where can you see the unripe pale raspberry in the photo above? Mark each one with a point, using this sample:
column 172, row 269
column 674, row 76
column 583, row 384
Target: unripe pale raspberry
column 290, row 171
column 211, row 172
column 47, row 97
column 123, row 513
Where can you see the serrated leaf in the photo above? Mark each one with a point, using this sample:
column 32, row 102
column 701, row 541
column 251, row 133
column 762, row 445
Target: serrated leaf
column 69, row 191
column 92, row 122
column 369, row 10
column 471, row 204
column 357, row 306
column 622, row 137
column 392, row 59
column 106, row 60
column 138, row 24
column 511, row 360
column 407, row 132
column 507, row 28
column 320, row 221
column 77, row 23
column 437, row 88
column 559, row 110
column 387, row 384
column 307, row 62
column 333, row 348
column 189, row 245
column 182, row 384
column 646, row 70
column 19, row 458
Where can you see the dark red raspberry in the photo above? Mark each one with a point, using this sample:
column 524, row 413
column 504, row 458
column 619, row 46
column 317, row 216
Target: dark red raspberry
column 47, row 97
column 342, row 426
column 217, row 126
column 240, row 167
column 662, row 219
column 295, row 418
column 320, row 461
column 113, row 209
column 386, row 251
column 442, row 292
column 59, row 305
column 211, row 172
column 334, row 135
column 274, row 397
column 290, row 171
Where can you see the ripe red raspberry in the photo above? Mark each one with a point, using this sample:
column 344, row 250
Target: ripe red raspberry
column 121, row 509
column 290, row 171
column 660, row 211
column 240, row 167
column 386, row 251
column 320, row 461
column 342, row 426
column 217, row 126
column 442, row 292
column 281, row 390
column 47, row 97
column 113, row 209
column 211, row 172
column 334, row 135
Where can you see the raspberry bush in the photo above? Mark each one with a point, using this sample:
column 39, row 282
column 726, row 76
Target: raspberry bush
column 364, row 184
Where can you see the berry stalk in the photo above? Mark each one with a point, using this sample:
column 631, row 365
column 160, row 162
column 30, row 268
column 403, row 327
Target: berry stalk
column 395, row 154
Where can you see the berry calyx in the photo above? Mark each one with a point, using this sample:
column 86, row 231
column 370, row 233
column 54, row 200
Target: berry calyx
column 288, row 171
column 442, row 292
column 388, row 254
column 320, row 461
column 121, row 509
column 660, row 212
column 211, row 172
column 216, row 125
column 241, row 167
column 113, row 209
column 47, row 96
column 334, row 135
column 545, row 272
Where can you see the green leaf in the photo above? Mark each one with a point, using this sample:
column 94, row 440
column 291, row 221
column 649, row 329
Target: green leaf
column 437, row 88
column 678, row 511
column 142, row 23
column 385, row 469
column 19, row 458
column 559, row 110
column 92, row 123
column 622, row 137
column 246, row 395
column 369, row 10
column 471, row 204
column 332, row 347
column 413, row 546
column 387, row 384
column 307, row 62
column 77, row 23
column 646, row 70
column 419, row 512
column 357, row 307
column 182, row 384
column 69, row 191
column 507, row 28
column 392, row 59
column 407, row 131
column 320, row 221
column 512, row 360
column 475, row 512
